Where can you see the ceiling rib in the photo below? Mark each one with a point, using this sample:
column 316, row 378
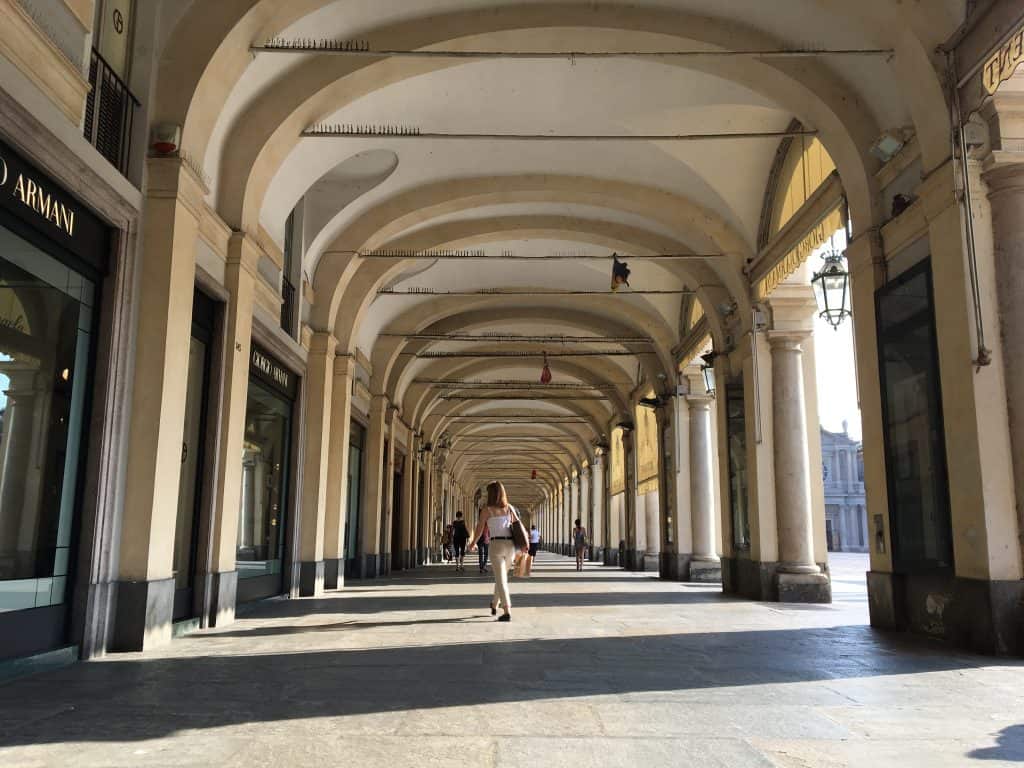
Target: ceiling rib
column 527, row 292
column 523, row 353
column 407, row 132
column 401, row 253
column 513, row 337
column 361, row 48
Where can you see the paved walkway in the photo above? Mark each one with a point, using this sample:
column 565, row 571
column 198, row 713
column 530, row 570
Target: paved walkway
column 602, row 668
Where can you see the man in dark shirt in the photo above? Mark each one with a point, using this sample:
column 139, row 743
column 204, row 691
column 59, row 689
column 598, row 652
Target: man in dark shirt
column 460, row 536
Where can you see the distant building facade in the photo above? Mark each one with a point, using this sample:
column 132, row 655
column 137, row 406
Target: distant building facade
column 846, row 520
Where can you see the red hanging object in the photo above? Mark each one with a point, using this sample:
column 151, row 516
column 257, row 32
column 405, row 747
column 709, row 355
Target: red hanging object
column 545, row 374
column 533, row 474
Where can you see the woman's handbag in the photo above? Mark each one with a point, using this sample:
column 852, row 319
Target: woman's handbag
column 519, row 535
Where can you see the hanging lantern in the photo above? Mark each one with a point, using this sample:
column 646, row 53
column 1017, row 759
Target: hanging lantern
column 831, row 286
column 620, row 273
column 545, row 373
column 533, row 474
column 707, row 370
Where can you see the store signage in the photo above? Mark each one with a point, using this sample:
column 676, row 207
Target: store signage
column 267, row 369
column 33, row 198
column 1003, row 63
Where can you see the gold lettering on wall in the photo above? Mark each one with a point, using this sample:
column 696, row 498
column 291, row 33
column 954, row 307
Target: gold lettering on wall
column 792, row 261
column 1003, row 62
column 646, row 449
column 40, row 201
column 617, row 482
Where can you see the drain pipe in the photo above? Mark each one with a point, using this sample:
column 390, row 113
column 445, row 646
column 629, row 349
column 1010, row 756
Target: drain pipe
column 959, row 142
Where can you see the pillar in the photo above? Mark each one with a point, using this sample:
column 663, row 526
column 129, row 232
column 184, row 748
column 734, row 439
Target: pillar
column 371, row 563
column 319, row 382
column 652, row 531
column 145, row 591
column 705, row 565
column 336, row 509
column 799, row 578
column 388, row 510
column 630, row 509
column 594, row 487
column 240, row 280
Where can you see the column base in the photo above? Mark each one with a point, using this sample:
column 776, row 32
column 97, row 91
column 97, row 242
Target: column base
column 803, row 587
column 981, row 616
column 368, row 567
column 650, row 562
column 223, row 598
column 334, row 573
column 144, row 615
column 311, row 578
column 705, row 571
column 610, row 557
column 757, row 580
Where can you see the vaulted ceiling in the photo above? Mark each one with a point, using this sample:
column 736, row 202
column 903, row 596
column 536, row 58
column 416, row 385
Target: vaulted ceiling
column 244, row 115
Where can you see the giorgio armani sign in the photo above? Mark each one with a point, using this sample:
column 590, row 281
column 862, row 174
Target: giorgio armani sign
column 268, row 370
column 39, row 202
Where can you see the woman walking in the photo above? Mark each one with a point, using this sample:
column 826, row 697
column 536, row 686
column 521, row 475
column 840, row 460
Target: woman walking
column 579, row 541
column 498, row 518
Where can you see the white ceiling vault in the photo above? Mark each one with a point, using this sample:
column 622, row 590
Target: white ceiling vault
column 244, row 114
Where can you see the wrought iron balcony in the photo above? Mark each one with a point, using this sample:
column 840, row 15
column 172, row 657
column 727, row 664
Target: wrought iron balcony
column 109, row 114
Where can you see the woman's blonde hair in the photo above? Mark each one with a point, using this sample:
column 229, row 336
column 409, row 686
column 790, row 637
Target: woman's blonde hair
column 496, row 496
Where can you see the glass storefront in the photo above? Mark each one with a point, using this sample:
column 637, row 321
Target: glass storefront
column 192, row 470
column 912, row 411
column 266, row 479
column 46, row 320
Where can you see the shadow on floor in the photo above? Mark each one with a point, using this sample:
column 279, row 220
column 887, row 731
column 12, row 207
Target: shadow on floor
column 146, row 698
column 1009, row 746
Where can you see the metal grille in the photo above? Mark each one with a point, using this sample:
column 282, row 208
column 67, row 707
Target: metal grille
column 109, row 113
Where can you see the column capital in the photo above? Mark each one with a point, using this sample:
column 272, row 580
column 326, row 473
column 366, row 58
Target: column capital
column 1004, row 174
column 344, row 365
column 789, row 340
column 322, row 343
column 699, row 402
column 244, row 251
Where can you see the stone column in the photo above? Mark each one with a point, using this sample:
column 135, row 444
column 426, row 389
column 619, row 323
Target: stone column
column 388, row 494
column 336, row 509
column 652, row 529
column 595, row 482
column 401, row 549
column 629, row 503
column 373, row 490
column 705, row 565
column 319, row 382
column 145, row 593
column 1006, row 196
column 799, row 577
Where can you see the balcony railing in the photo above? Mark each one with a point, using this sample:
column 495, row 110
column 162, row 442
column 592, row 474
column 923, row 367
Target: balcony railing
column 109, row 114
column 287, row 306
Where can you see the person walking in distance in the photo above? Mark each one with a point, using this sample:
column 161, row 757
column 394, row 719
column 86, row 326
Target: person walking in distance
column 498, row 518
column 460, row 535
column 483, row 545
column 579, row 542
column 535, row 541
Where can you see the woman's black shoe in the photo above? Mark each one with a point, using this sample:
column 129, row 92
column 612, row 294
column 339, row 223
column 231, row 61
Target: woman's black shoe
column 494, row 611
column 505, row 617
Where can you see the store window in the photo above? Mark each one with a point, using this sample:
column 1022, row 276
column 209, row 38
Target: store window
column 915, row 452
column 266, row 477
column 357, row 437
column 46, row 317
